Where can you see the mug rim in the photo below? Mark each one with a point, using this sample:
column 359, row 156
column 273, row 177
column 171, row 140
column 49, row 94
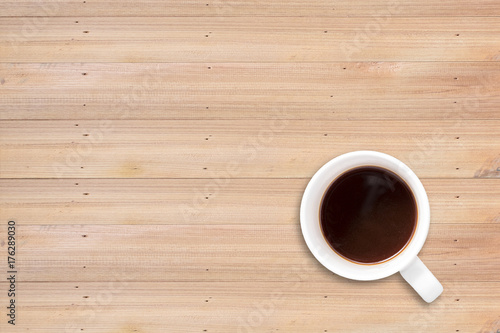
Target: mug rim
column 310, row 223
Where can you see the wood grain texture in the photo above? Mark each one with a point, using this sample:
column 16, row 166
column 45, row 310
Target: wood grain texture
column 52, row 203
column 466, row 252
column 240, row 39
column 330, row 91
column 251, row 8
column 226, row 148
column 154, row 155
column 294, row 306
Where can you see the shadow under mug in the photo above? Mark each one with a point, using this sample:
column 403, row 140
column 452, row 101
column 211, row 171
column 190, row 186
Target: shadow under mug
column 406, row 262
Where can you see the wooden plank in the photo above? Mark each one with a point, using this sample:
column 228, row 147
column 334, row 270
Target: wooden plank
column 331, row 91
column 228, row 149
column 183, row 134
column 466, row 252
column 252, row 8
column 49, row 203
column 255, row 307
column 225, row 105
column 242, row 39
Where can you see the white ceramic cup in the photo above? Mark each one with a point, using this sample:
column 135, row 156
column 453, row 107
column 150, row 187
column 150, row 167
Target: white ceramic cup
column 406, row 262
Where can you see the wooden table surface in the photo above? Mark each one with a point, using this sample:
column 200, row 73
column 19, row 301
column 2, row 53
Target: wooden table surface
column 154, row 155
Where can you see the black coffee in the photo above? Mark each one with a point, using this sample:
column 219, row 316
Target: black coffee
column 368, row 214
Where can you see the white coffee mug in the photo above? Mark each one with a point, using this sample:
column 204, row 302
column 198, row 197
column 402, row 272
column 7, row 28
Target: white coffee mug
column 406, row 262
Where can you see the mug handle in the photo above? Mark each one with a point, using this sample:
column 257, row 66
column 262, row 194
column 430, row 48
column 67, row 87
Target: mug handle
column 422, row 280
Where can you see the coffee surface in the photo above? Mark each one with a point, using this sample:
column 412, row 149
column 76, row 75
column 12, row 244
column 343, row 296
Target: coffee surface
column 368, row 214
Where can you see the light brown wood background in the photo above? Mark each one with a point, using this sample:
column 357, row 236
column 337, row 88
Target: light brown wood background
column 154, row 155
